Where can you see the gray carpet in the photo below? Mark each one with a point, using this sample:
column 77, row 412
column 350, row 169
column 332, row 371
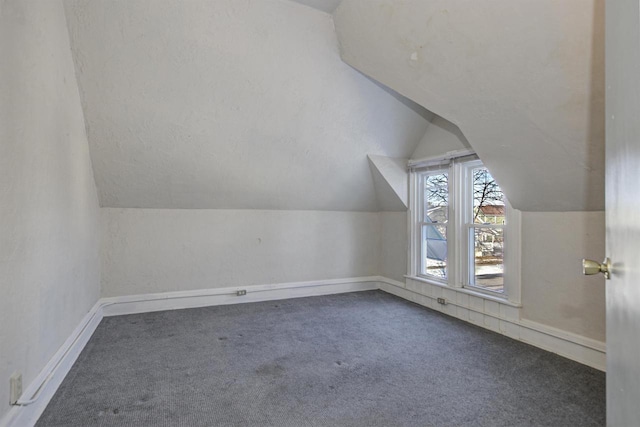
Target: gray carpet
column 358, row 359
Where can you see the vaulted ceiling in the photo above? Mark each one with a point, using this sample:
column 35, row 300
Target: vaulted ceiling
column 251, row 104
column 524, row 81
column 230, row 104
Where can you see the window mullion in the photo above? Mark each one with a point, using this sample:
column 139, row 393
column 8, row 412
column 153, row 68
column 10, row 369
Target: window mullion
column 469, row 258
column 415, row 260
column 456, row 212
column 465, row 202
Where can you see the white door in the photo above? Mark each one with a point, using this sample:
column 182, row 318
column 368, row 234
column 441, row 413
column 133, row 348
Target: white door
column 623, row 211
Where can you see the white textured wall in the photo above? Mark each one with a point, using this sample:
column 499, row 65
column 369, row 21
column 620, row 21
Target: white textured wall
column 161, row 250
column 393, row 245
column 554, row 291
column 391, row 181
column 230, row 104
column 524, row 81
column 441, row 137
column 49, row 251
column 327, row 6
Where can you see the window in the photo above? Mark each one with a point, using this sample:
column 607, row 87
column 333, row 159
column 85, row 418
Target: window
column 485, row 219
column 460, row 222
column 434, row 217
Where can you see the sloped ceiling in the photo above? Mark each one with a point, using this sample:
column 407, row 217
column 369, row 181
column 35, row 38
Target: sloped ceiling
column 441, row 137
column 230, row 104
column 328, row 6
column 524, row 81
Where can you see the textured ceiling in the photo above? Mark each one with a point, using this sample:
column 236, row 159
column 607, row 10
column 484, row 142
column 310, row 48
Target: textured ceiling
column 524, row 81
column 441, row 137
column 328, row 6
column 230, row 104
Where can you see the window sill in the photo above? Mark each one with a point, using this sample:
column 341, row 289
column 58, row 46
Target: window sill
column 477, row 294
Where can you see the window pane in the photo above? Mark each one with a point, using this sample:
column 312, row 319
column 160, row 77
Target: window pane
column 488, row 263
column 488, row 199
column 436, row 198
column 434, row 250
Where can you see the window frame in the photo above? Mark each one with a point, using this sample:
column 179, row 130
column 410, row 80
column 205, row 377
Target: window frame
column 467, row 227
column 420, row 223
column 459, row 254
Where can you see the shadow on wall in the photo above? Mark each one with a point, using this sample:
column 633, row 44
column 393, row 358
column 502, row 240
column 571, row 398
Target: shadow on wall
column 417, row 108
column 596, row 131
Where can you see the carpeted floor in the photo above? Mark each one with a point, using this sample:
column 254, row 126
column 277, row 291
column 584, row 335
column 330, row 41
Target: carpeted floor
column 358, row 359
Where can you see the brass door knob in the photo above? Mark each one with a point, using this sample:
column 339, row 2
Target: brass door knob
column 590, row 267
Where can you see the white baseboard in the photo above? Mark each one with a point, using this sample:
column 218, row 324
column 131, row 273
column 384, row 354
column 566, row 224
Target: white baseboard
column 209, row 297
column 575, row 347
column 54, row 372
column 52, row 375
column 503, row 319
column 572, row 346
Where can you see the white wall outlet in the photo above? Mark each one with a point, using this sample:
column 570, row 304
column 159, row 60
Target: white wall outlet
column 15, row 384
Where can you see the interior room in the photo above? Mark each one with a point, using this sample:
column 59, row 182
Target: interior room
column 304, row 212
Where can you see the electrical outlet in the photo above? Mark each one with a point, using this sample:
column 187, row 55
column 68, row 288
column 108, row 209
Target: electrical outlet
column 241, row 292
column 442, row 301
column 15, row 386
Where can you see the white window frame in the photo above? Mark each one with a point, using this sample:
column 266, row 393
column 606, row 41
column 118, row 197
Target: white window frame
column 420, row 223
column 459, row 253
column 466, row 225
